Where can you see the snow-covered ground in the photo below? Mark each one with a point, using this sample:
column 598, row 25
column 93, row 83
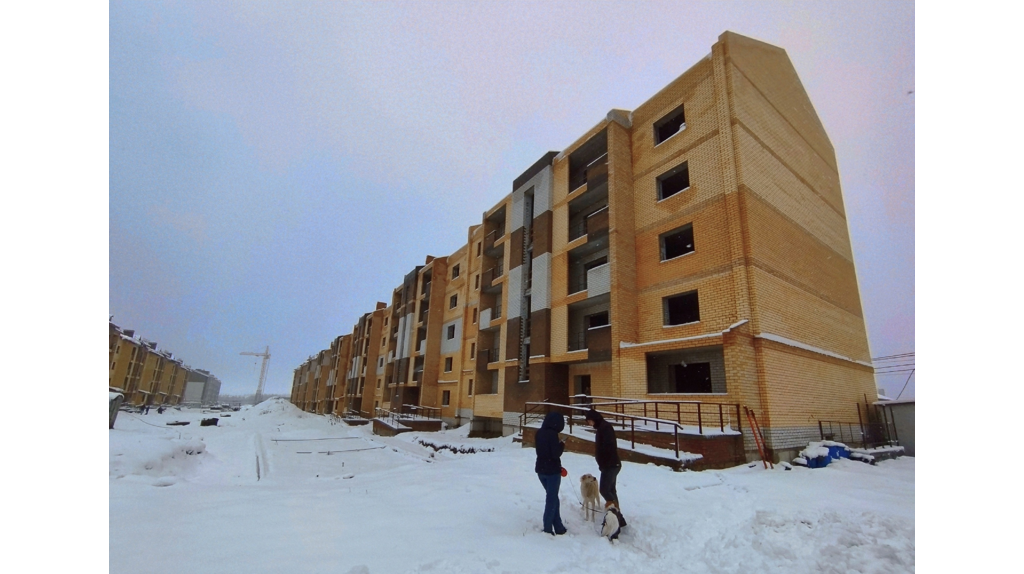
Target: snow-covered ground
column 260, row 493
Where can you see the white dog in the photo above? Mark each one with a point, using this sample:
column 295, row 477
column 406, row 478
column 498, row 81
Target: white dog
column 591, row 496
column 612, row 521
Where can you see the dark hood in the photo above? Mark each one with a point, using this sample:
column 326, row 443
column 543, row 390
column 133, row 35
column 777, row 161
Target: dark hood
column 593, row 415
column 554, row 421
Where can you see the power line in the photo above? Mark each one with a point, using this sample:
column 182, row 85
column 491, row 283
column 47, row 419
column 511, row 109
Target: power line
column 901, row 355
column 894, row 366
column 905, row 385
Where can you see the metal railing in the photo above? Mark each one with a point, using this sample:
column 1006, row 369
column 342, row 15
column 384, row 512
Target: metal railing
column 493, row 355
column 537, row 411
column 577, row 230
column 416, row 412
column 687, row 413
column 866, row 434
column 497, row 271
column 407, row 413
column 841, row 431
column 390, row 417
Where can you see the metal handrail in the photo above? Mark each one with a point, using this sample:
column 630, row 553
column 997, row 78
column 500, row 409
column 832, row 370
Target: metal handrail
column 577, row 230
column 619, row 417
column 703, row 408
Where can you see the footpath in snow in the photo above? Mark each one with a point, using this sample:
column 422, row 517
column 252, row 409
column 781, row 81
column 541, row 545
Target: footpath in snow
column 273, row 489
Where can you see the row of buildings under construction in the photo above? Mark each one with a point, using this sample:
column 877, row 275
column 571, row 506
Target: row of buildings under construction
column 146, row 375
column 693, row 249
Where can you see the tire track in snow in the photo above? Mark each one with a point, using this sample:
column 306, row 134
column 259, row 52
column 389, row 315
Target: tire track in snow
column 262, row 464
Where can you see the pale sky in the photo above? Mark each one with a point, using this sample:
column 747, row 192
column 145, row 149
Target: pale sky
column 255, row 148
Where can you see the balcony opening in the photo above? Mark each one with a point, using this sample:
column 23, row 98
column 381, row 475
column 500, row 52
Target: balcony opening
column 681, row 309
column 589, row 156
column 588, row 324
column 426, row 284
column 674, row 181
column 494, row 229
column 700, row 370
column 582, row 260
column 669, row 125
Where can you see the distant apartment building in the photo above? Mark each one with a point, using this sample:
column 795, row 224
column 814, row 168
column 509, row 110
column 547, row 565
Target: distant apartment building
column 150, row 376
column 202, row 387
column 693, row 249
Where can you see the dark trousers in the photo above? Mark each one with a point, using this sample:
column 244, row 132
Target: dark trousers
column 552, row 517
column 607, row 484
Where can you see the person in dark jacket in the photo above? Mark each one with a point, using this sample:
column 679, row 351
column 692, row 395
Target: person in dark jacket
column 549, row 469
column 606, row 451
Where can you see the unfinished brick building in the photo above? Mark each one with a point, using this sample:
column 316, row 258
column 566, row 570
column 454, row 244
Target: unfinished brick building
column 694, row 249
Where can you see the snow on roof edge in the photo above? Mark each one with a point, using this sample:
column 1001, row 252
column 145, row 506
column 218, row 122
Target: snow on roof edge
column 813, row 349
column 627, row 345
column 894, row 402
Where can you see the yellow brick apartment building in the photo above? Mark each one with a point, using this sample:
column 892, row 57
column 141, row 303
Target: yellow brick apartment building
column 695, row 248
column 148, row 376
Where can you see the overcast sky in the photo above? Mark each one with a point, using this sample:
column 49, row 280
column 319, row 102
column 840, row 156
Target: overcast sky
column 277, row 168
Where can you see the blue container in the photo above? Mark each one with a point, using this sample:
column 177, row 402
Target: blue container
column 818, row 462
column 838, row 452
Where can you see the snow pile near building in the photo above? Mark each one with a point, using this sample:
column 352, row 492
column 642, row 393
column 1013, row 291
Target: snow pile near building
column 161, row 460
column 814, row 450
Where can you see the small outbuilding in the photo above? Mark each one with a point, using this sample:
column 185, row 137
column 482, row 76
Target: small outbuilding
column 898, row 417
column 116, row 398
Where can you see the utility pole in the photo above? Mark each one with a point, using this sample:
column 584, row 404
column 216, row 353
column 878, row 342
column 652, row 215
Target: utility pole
column 263, row 371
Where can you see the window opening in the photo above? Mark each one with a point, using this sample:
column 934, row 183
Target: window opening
column 597, row 319
column 669, row 125
column 682, row 309
column 677, row 242
column 451, row 332
column 674, row 181
column 447, row 364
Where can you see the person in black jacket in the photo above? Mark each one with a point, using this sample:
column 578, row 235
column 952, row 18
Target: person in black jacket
column 606, row 451
column 549, row 469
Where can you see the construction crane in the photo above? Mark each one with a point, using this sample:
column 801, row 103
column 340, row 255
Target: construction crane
column 263, row 371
